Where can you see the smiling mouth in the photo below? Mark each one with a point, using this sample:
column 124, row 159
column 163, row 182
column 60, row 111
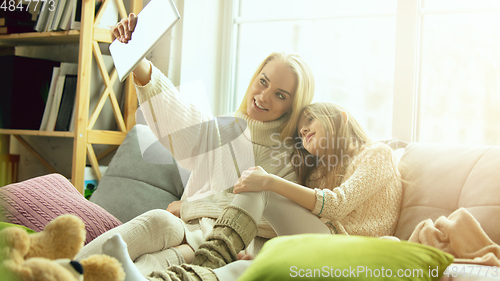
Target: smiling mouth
column 259, row 106
column 308, row 137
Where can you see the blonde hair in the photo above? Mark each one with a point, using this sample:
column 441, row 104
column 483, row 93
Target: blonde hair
column 303, row 95
column 342, row 130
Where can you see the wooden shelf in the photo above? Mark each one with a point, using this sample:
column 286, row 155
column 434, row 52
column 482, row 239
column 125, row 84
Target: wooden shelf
column 51, row 38
column 40, row 38
column 36, row 133
column 84, row 137
column 93, row 136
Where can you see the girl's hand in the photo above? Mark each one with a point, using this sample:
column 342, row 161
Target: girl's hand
column 252, row 180
column 122, row 31
column 175, row 208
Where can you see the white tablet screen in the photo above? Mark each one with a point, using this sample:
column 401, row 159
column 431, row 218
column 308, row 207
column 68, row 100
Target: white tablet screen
column 153, row 22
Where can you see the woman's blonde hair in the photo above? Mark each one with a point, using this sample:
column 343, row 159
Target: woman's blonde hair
column 344, row 138
column 303, row 95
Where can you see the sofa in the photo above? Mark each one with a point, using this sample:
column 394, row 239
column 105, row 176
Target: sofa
column 438, row 179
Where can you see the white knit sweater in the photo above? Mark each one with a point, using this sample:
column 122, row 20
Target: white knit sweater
column 194, row 139
column 369, row 199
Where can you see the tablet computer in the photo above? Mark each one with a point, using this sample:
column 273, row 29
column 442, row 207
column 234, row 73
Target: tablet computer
column 153, row 22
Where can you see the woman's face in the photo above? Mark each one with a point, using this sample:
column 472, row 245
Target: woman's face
column 271, row 93
column 313, row 135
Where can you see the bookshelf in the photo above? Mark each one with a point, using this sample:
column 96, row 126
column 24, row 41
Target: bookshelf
column 84, row 136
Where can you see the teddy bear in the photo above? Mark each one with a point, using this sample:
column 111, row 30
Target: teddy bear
column 48, row 255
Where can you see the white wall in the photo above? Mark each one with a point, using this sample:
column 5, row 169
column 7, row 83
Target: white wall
column 195, row 48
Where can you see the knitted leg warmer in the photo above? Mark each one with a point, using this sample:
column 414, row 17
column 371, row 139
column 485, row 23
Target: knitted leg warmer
column 184, row 272
column 232, row 232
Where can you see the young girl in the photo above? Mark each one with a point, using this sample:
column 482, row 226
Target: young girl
column 281, row 86
column 348, row 185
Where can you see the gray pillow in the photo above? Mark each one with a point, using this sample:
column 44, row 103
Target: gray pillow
column 141, row 176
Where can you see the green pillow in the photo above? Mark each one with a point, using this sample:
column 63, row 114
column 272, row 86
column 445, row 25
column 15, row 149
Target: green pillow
column 6, row 224
column 320, row 256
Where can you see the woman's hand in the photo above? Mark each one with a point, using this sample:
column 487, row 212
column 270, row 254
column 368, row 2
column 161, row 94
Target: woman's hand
column 175, row 208
column 122, row 31
column 253, row 179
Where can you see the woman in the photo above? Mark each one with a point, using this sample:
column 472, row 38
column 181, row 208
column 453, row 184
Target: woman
column 281, row 86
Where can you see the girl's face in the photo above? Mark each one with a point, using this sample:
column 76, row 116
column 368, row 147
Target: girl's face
column 271, row 93
column 313, row 135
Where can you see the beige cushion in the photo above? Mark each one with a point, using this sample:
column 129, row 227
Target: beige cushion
column 439, row 179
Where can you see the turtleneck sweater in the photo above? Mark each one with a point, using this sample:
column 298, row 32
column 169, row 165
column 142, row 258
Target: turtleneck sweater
column 215, row 150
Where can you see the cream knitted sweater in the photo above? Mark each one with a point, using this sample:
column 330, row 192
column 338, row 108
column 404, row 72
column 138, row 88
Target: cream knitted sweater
column 369, row 199
column 197, row 148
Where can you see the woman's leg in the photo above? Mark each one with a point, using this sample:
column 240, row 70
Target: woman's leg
column 285, row 216
column 152, row 232
column 237, row 226
column 117, row 248
column 162, row 260
column 232, row 232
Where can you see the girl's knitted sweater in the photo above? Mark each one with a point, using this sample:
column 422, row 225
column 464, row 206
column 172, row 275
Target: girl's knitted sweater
column 199, row 142
column 368, row 200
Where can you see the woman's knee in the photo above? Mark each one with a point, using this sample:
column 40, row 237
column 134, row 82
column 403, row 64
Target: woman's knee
column 159, row 218
column 251, row 198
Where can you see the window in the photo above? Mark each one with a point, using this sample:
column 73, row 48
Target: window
column 350, row 50
column 419, row 70
column 459, row 84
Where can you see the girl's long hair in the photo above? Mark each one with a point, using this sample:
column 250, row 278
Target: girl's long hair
column 302, row 97
column 344, row 139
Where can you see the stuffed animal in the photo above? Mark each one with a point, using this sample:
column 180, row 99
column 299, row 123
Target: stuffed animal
column 48, row 255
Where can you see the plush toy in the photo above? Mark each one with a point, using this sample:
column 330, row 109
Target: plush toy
column 48, row 255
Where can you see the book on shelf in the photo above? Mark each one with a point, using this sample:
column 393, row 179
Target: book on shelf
column 65, row 22
column 56, row 102
column 50, row 98
column 67, row 103
column 25, row 86
column 64, row 70
column 43, row 15
column 57, row 15
column 66, row 15
column 51, row 15
column 58, row 105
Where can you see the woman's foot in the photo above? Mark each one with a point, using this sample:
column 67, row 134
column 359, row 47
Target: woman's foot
column 117, row 248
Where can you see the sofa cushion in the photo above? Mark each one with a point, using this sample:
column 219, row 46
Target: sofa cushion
column 438, row 179
column 141, row 176
column 325, row 256
column 35, row 202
